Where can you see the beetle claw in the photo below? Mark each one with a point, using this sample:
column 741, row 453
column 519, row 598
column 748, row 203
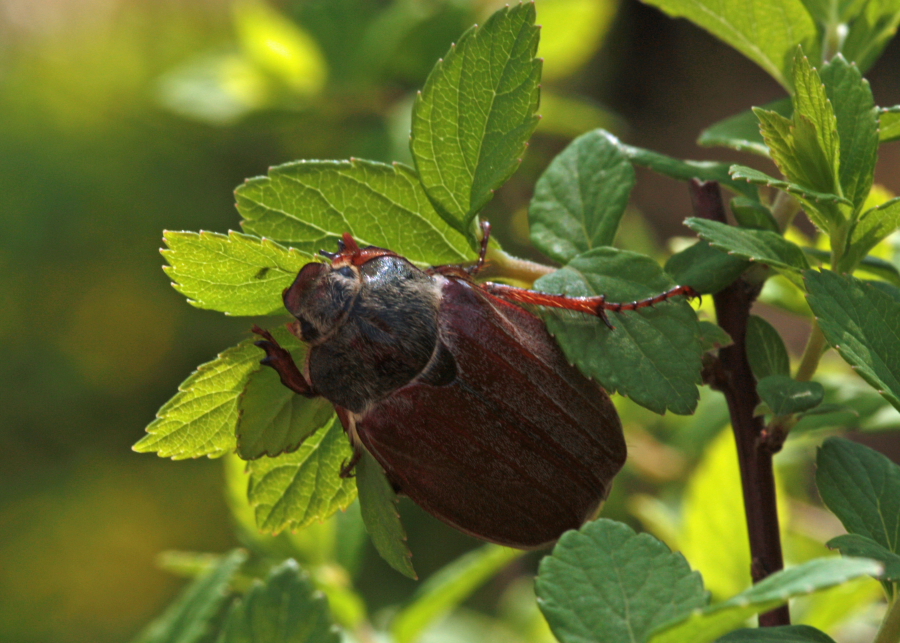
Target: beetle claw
column 347, row 467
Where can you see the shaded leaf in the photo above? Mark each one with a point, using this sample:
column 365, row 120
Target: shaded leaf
column 653, row 355
column 579, row 200
column 741, row 131
column 713, row 336
column 752, row 214
column 312, row 203
column 286, row 609
column 378, row 504
column 202, row 417
column 472, row 121
column 756, row 245
column 860, row 322
column 605, row 583
column 706, row 625
column 782, row 634
column 889, row 124
column 785, row 395
column 766, row 351
column 861, row 546
column 296, row 489
column 188, row 618
column 705, row 268
column 235, row 273
column 871, row 31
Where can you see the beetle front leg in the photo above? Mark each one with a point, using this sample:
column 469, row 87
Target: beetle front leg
column 281, row 360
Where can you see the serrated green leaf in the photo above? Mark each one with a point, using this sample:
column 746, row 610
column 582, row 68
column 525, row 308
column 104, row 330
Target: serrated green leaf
column 472, row 121
column 786, row 396
column 286, row 609
column 873, row 226
column 312, row 203
column 605, row 583
column 653, row 355
column 579, row 200
column 188, row 619
column 202, row 417
column 875, row 266
column 704, row 268
column 752, row 214
column 781, row 634
column 378, row 503
column 295, row 489
column 871, row 31
column 687, row 170
column 235, row 273
column 766, row 351
column 713, row 336
column 755, row 245
column 860, row 322
column 448, row 588
column 273, row 418
column 889, row 124
column 815, row 200
column 864, row 547
column 862, row 488
column 706, row 625
column 816, row 141
column 741, row 131
column 766, row 31
column 857, row 127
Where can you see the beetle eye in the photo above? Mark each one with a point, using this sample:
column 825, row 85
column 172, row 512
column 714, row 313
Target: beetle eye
column 346, row 271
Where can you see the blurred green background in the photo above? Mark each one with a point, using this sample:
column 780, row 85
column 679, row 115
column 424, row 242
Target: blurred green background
column 122, row 118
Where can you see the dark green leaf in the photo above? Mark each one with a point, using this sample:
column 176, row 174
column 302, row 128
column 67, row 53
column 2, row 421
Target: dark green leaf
column 857, row 126
column 862, row 488
column 472, row 121
column 188, row 619
column 448, row 588
column 687, row 170
column 766, row 31
column 286, row 609
column 873, row 226
column 782, row 634
column 312, row 203
column 890, row 290
column 579, row 200
column 296, row 489
column 765, row 349
column 889, row 124
column 274, row 419
column 235, row 274
column 870, row 32
column 872, row 265
column 653, row 355
column 786, row 396
column 756, row 245
column 705, row 268
column 741, row 132
column 753, row 214
column 713, row 336
column 378, row 503
column 704, row 626
column 860, row 322
column 864, row 547
column 605, row 583
column 202, row 417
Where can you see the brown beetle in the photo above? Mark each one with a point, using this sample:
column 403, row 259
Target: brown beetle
column 461, row 395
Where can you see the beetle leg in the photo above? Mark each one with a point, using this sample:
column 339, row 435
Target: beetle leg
column 475, row 268
column 348, row 466
column 281, row 360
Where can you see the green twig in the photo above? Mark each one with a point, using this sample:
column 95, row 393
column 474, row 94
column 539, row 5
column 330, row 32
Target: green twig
column 815, row 348
column 889, row 632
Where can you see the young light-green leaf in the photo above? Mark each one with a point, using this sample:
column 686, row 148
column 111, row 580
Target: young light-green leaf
column 187, row 620
column 235, row 273
column 781, row 634
column 766, row 31
column 273, row 418
column 873, row 226
column 889, row 124
column 285, row 609
column 378, row 503
column 766, row 351
column 312, row 203
column 755, row 245
column 579, row 200
column 860, row 322
column 202, row 417
column 605, row 583
column 295, row 489
column 816, row 142
column 870, row 32
column 786, row 396
column 707, row 625
column 862, row 546
column 472, row 121
column 704, row 268
column 862, row 488
column 741, row 131
column 653, row 355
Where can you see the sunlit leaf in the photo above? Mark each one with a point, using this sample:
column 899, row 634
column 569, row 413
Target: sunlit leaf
column 741, row 131
column 755, row 245
column 889, row 124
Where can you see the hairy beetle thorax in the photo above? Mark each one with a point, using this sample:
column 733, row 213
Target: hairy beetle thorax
column 383, row 330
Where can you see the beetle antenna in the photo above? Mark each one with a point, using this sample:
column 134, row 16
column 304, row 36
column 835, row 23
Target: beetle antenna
column 485, row 238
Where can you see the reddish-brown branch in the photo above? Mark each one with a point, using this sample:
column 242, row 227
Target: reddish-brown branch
column 733, row 377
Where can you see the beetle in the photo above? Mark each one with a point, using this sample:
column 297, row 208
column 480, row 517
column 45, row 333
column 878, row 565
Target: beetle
column 461, row 394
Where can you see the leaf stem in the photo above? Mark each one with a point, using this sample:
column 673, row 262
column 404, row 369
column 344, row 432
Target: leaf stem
column 732, row 376
column 521, row 270
column 784, row 209
column 815, row 348
column 889, row 632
